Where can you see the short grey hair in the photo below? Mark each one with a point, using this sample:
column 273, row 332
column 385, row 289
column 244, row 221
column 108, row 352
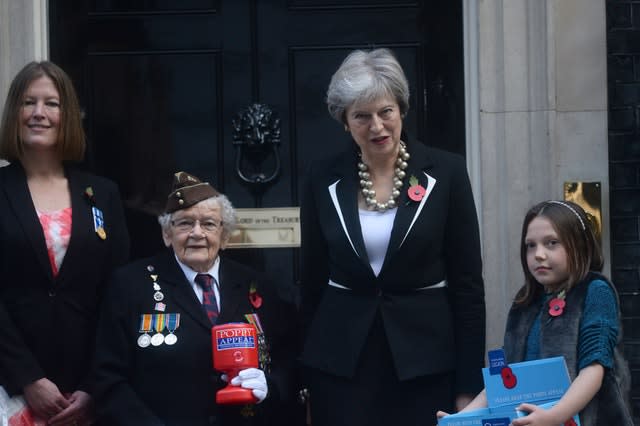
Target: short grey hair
column 365, row 76
column 226, row 209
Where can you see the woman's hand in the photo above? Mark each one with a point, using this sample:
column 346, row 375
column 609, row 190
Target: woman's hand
column 79, row 412
column 44, row 398
column 254, row 379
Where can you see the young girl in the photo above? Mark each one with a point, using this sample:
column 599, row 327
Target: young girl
column 566, row 307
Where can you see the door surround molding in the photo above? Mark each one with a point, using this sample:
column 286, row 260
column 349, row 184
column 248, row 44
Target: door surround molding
column 536, row 117
column 23, row 37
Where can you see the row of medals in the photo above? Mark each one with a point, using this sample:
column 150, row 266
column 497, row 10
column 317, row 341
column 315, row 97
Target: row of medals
column 159, row 338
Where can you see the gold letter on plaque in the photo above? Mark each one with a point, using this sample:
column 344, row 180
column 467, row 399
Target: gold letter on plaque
column 588, row 196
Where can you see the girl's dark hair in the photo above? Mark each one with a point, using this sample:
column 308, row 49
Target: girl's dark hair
column 576, row 234
column 71, row 138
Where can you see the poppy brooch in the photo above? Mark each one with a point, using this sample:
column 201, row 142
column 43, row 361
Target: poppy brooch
column 557, row 304
column 416, row 191
column 254, row 296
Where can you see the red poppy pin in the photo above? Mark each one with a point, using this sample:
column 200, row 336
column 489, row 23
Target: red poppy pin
column 570, row 422
column 254, row 296
column 509, row 379
column 416, row 191
column 557, row 304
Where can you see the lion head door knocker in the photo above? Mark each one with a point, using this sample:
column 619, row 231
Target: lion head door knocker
column 256, row 136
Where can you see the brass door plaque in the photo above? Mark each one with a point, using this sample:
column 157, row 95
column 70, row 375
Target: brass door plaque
column 267, row 228
column 587, row 195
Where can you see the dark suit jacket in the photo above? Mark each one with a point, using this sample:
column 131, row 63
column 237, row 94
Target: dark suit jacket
column 429, row 331
column 47, row 324
column 176, row 385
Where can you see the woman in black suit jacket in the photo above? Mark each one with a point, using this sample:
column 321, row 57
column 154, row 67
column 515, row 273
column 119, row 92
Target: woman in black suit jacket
column 62, row 232
column 392, row 290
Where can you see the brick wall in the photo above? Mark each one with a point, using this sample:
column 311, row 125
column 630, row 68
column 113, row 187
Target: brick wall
column 623, row 58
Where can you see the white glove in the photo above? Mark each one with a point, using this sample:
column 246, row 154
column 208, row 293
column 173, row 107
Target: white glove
column 254, row 379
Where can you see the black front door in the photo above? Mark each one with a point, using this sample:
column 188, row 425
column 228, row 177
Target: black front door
column 162, row 81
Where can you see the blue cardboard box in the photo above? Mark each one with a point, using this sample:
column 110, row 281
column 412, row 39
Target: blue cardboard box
column 534, row 382
column 540, row 382
column 501, row 416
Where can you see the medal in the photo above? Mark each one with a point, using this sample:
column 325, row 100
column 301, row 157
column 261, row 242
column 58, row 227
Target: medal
column 98, row 222
column 264, row 358
column 158, row 320
column 101, row 233
column 173, row 322
column 144, row 340
column 158, row 326
column 157, row 339
column 145, row 326
column 247, row 411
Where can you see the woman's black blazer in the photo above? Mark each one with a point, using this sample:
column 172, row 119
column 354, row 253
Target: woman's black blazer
column 429, row 331
column 47, row 324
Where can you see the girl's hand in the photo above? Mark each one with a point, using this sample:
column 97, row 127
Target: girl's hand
column 537, row 417
column 581, row 391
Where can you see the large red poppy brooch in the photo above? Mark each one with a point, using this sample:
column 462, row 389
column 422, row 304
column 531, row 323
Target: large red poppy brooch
column 557, row 304
column 509, row 380
column 254, row 296
column 416, row 191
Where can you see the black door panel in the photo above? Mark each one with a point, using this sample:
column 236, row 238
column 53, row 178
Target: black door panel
column 161, row 82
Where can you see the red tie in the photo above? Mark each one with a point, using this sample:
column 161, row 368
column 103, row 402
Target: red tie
column 209, row 304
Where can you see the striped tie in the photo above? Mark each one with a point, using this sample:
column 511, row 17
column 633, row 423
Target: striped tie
column 209, row 304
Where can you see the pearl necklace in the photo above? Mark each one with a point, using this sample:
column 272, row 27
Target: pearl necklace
column 367, row 185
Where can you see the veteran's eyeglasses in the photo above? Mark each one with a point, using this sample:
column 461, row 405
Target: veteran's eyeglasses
column 188, row 225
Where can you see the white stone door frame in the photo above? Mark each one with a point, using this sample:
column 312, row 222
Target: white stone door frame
column 536, row 116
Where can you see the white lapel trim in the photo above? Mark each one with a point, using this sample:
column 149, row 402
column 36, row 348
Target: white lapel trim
column 336, row 204
column 431, row 182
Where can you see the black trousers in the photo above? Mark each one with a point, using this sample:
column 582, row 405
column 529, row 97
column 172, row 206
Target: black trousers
column 375, row 396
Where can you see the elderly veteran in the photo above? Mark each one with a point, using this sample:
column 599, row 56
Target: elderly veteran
column 154, row 363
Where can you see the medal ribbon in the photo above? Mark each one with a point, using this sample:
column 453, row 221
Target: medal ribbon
column 173, row 322
column 145, row 322
column 159, row 323
column 254, row 320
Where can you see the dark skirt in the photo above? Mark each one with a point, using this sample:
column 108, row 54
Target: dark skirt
column 375, row 396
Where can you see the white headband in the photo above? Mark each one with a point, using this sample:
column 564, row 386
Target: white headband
column 584, row 228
